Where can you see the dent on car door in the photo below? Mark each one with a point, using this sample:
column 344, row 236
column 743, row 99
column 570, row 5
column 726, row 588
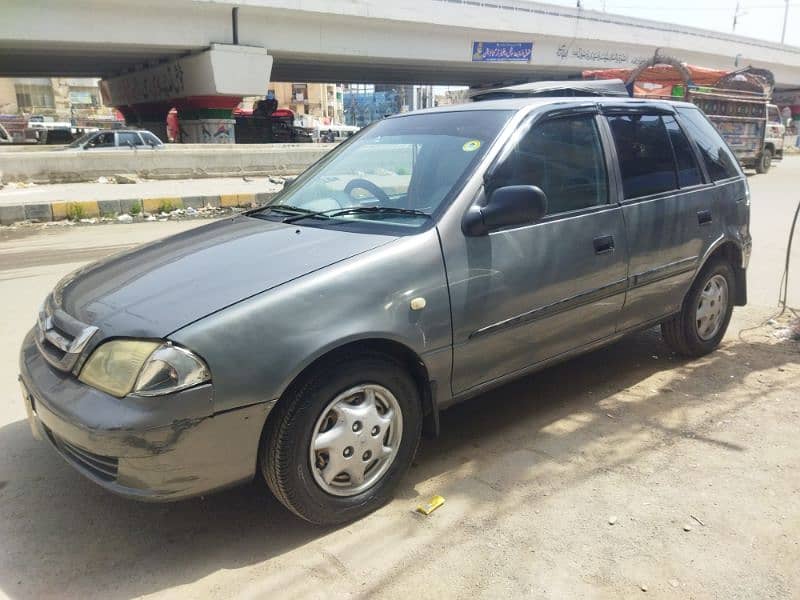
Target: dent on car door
column 668, row 209
column 526, row 294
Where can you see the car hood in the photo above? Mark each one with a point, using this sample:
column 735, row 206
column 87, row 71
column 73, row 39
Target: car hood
column 158, row 288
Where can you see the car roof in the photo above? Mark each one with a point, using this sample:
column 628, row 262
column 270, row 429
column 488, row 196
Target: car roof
column 555, row 89
column 517, row 104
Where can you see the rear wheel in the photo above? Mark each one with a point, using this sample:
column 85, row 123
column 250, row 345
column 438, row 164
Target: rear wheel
column 340, row 442
column 707, row 308
column 765, row 162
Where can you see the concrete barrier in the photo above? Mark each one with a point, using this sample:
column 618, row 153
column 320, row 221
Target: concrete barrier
column 42, row 212
column 171, row 162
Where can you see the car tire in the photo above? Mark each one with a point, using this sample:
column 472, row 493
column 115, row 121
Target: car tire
column 764, row 162
column 319, row 404
column 692, row 332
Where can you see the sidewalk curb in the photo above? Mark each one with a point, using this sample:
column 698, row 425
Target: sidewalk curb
column 77, row 209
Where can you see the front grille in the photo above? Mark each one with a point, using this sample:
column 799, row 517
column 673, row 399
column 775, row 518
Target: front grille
column 60, row 337
column 102, row 467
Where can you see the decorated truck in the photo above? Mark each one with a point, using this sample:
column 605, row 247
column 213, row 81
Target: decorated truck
column 736, row 102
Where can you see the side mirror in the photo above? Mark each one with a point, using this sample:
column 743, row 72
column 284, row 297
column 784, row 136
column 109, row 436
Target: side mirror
column 507, row 206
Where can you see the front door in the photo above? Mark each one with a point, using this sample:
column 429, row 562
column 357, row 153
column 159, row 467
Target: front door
column 524, row 295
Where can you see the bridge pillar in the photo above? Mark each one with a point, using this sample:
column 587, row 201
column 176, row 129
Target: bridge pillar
column 203, row 87
column 151, row 116
column 209, row 124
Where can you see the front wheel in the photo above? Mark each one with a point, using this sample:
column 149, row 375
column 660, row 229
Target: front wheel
column 700, row 326
column 765, row 162
column 341, row 440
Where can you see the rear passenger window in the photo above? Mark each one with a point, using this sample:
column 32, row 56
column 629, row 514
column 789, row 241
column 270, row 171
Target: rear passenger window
column 564, row 157
column 688, row 170
column 645, row 155
column 717, row 157
column 129, row 138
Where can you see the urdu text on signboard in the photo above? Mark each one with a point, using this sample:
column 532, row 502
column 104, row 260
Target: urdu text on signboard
column 502, row 51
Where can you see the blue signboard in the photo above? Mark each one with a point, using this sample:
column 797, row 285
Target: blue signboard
column 502, row 51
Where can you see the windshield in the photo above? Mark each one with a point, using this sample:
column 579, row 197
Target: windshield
column 81, row 140
column 397, row 172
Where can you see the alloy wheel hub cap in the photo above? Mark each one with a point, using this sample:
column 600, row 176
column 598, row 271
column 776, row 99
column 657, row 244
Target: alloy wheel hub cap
column 355, row 440
column 712, row 307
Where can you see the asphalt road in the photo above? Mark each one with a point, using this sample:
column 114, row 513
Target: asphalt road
column 695, row 463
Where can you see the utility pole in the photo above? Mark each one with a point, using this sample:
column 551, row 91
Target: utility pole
column 735, row 16
column 785, row 18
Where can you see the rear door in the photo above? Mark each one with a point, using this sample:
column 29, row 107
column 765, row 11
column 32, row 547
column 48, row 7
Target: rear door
column 668, row 207
column 527, row 294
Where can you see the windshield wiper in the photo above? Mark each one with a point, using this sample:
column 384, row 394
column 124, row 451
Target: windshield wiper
column 337, row 212
column 281, row 208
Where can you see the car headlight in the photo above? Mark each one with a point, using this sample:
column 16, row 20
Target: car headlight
column 144, row 368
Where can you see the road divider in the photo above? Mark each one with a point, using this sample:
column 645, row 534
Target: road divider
column 88, row 209
column 172, row 162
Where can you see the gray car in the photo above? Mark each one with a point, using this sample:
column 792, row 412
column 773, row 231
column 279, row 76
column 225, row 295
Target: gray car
column 117, row 139
column 429, row 258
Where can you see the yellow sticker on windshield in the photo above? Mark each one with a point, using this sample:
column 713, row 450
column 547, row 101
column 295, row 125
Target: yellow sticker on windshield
column 471, row 146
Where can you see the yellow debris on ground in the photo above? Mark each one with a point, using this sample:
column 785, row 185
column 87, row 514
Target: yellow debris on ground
column 431, row 505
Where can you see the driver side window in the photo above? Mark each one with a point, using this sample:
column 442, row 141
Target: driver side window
column 563, row 157
column 102, row 140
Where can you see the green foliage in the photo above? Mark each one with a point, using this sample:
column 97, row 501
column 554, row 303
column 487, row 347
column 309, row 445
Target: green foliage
column 135, row 209
column 75, row 212
column 166, row 206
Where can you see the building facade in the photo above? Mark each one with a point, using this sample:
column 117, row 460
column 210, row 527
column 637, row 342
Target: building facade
column 365, row 103
column 63, row 99
column 318, row 102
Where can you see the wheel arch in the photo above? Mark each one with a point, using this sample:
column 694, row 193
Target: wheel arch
column 411, row 361
column 730, row 251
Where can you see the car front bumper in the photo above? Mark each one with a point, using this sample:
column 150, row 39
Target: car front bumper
column 154, row 449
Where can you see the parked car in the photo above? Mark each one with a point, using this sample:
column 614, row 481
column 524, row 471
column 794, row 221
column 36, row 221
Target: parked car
column 125, row 139
column 427, row 259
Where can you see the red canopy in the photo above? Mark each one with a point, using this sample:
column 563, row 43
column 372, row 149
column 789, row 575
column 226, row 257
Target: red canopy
column 659, row 80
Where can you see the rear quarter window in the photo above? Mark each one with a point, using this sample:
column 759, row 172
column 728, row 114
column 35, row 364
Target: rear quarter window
column 719, row 160
column 149, row 138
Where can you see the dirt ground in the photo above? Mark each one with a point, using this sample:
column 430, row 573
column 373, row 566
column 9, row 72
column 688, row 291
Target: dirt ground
column 625, row 473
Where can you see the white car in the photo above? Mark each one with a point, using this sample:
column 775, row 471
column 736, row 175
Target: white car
column 117, row 139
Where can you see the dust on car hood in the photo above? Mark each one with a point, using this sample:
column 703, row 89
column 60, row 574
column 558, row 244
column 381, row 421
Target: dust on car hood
column 158, row 288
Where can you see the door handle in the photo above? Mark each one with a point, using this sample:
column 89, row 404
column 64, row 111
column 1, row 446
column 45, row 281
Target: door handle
column 704, row 217
column 604, row 244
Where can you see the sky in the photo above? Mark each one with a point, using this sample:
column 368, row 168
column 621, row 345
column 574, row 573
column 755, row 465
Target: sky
column 757, row 18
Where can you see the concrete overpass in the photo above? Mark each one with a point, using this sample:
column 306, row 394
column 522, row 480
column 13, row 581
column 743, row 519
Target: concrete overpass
column 132, row 44
column 412, row 41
